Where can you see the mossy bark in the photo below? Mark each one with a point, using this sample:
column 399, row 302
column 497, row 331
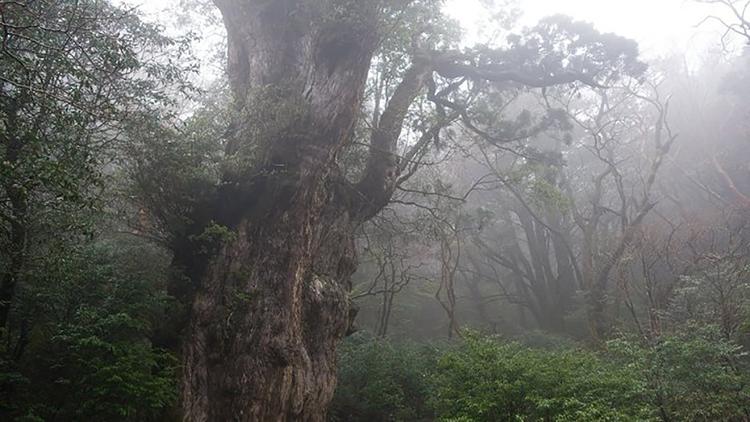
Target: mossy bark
column 271, row 303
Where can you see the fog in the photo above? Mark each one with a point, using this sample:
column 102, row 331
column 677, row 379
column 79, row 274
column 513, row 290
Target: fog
column 380, row 210
column 658, row 26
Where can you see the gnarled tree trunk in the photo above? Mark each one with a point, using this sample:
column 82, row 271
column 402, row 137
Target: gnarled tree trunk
column 268, row 315
column 271, row 300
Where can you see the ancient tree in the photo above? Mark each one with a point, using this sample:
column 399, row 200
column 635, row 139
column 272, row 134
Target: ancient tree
column 268, row 251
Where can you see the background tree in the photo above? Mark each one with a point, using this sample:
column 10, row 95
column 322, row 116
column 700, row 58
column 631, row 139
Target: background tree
column 75, row 76
column 77, row 313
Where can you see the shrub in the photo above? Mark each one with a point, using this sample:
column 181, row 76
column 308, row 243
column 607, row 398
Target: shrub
column 695, row 374
column 487, row 380
column 91, row 312
column 382, row 381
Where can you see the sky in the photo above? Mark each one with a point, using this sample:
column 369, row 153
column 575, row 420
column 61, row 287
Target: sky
column 660, row 26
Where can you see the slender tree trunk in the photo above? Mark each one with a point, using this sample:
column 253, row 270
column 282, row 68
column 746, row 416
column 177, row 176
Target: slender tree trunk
column 11, row 274
column 18, row 199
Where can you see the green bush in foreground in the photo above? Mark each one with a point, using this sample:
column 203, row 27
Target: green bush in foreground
column 690, row 376
column 485, row 380
column 383, row 381
column 91, row 312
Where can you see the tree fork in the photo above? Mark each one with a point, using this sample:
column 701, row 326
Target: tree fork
column 270, row 302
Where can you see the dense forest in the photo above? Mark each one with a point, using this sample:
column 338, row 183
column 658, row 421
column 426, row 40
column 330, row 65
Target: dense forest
column 356, row 210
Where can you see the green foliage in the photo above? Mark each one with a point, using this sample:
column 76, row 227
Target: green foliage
column 537, row 339
column 85, row 350
column 76, row 75
column 173, row 170
column 565, row 44
column 695, row 374
column 715, row 293
column 382, row 381
column 486, row 380
column 545, row 193
column 213, row 237
column 80, row 78
column 403, row 24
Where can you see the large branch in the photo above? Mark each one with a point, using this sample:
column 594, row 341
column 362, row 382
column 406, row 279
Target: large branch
column 741, row 24
column 527, row 77
column 538, row 59
column 382, row 170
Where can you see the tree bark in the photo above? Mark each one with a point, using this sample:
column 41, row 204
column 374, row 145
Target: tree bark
column 16, row 217
column 265, row 323
column 271, row 297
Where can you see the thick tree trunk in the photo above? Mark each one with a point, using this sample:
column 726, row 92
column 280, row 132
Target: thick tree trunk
column 270, row 301
column 267, row 319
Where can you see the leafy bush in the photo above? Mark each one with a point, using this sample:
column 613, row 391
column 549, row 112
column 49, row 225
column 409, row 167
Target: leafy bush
column 382, row 381
column 487, row 380
column 695, row 374
column 85, row 352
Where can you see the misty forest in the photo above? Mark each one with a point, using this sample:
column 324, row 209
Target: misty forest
column 374, row 210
